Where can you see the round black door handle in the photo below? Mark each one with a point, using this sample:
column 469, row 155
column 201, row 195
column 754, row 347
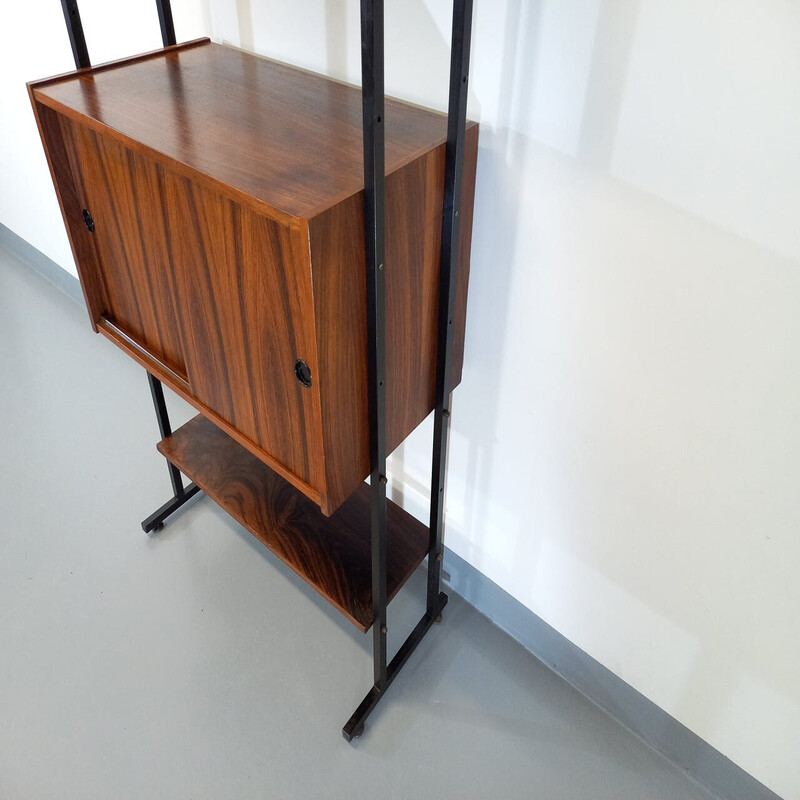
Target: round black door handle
column 303, row 372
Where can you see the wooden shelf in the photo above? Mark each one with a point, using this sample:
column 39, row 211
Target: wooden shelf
column 330, row 553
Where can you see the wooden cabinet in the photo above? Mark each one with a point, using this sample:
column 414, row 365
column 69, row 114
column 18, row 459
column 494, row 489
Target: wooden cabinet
column 214, row 202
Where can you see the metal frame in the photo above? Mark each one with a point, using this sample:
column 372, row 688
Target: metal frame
column 372, row 68
column 372, row 72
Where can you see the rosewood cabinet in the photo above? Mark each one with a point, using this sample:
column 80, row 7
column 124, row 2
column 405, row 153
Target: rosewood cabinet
column 214, row 201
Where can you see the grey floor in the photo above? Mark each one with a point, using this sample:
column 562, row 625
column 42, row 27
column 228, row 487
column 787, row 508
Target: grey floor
column 194, row 665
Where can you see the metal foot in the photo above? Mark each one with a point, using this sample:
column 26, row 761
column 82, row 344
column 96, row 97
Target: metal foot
column 355, row 725
column 155, row 522
column 354, row 734
column 438, row 619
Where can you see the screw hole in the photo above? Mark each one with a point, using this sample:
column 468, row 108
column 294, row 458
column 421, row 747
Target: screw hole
column 87, row 220
column 380, row 118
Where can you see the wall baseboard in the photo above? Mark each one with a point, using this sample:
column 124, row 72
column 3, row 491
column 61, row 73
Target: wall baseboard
column 621, row 701
column 46, row 267
column 642, row 717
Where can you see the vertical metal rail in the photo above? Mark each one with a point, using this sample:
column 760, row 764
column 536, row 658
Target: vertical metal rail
column 165, row 429
column 180, row 494
column 165, row 22
column 77, row 40
column 448, row 280
column 75, row 30
column 372, row 68
column 372, row 61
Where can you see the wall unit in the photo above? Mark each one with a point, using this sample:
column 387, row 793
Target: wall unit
column 226, row 199
column 248, row 233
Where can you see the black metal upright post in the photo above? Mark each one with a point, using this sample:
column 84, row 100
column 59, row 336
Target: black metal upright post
column 165, row 22
column 75, row 30
column 375, row 228
column 373, row 100
column 448, row 274
column 372, row 89
column 77, row 40
column 165, row 429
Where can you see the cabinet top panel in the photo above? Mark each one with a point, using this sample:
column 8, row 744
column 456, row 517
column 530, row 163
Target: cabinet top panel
column 287, row 137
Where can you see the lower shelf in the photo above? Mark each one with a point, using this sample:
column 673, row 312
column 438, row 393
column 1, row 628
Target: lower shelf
column 333, row 554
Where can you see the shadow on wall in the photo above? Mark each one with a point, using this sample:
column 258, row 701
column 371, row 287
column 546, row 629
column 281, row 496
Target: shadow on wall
column 613, row 44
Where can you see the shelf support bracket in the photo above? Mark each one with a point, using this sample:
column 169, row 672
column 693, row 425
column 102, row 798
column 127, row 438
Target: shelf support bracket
column 372, row 68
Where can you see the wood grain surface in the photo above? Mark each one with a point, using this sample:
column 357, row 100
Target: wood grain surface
column 244, row 288
column 287, row 137
column 124, row 197
column 58, row 136
column 414, row 206
column 331, row 553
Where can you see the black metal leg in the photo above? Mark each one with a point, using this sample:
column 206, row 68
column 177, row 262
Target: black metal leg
column 181, row 494
column 155, row 522
column 165, row 429
column 373, row 96
column 355, row 725
column 375, row 226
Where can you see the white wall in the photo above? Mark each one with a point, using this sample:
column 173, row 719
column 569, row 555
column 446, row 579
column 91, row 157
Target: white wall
column 626, row 441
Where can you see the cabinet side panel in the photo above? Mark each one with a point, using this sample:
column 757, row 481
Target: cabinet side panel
column 126, row 204
column 414, row 198
column 338, row 258
column 59, row 140
column 414, row 211
column 464, row 248
column 414, row 207
column 244, row 285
